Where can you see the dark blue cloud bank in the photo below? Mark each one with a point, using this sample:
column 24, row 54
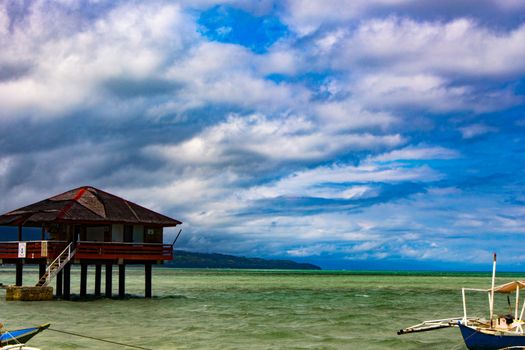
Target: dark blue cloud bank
column 354, row 134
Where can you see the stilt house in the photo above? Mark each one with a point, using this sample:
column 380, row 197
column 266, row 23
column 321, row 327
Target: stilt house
column 86, row 226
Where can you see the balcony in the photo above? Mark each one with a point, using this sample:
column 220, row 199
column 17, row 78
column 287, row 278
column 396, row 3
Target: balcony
column 87, row 250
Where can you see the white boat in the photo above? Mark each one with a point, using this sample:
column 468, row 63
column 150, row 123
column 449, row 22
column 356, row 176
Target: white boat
column 498, row 332
column 18, row 347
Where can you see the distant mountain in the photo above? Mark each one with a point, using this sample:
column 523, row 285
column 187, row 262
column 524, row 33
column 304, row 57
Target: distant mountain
column 185, row 259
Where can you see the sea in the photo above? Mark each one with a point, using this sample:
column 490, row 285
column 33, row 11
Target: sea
column 255, row 309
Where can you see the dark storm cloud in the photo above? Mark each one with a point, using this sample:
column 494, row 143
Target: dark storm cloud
column 492, row 13
column 128, row 88
column 11, row 71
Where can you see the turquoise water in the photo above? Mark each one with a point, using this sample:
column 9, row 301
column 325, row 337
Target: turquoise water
column 222, row 309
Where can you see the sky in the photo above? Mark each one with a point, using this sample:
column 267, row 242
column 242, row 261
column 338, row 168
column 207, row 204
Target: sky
column 354, row 134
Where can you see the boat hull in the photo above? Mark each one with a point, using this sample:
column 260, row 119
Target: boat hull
column 21, row 335
column 18, row 347
column 475, row 340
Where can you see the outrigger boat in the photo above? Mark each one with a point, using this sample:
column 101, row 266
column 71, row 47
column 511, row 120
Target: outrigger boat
column 17, row 337
column 497, row 333
column 18, row 347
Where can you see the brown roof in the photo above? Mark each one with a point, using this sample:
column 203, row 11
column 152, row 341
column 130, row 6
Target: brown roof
column 85, row 205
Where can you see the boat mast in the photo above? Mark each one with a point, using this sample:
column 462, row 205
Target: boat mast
column 492, row 289
column 517, row 301
column 465, row 306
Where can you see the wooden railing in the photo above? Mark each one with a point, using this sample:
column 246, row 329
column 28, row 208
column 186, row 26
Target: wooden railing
column 127, row 251
column 89, row 250
column 33, row 249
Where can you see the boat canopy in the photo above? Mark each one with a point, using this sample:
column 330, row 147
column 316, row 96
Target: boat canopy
column 509, row 287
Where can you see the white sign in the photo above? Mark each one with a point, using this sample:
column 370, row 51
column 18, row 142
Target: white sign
column 21, row 249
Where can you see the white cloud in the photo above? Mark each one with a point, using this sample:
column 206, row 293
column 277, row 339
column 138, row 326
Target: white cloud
column 419, row 152
column 421, row 90
column 66, row 70
column 5, row 164
column 281, row 59
column 306, row 16
column 346, row 115
column 283, row 139
column 475, row 130
column 365, row 246
column 333, row 181
column 312, row 250
column 460, row 46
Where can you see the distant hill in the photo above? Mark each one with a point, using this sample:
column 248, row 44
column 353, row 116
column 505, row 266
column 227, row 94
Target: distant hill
column 185, row 259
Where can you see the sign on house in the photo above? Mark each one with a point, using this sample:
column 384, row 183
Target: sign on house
column 21, row 249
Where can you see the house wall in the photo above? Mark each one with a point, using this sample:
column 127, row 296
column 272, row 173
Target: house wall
column 108, row 233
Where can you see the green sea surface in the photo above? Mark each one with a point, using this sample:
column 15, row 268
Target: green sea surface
column 253, row 309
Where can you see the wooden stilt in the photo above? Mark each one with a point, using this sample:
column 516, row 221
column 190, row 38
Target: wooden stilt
column 98, row 274
column 109, row 280
column 19, row 273
column 83, row 280
column 67, row 281
column 59, row 285
column 121, row 281
column 41, row 270
column 147, row 276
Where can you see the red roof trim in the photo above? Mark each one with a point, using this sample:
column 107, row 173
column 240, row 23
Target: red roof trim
column 68, row 207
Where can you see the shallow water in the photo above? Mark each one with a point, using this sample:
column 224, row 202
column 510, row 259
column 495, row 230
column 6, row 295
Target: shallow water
column 224, row 309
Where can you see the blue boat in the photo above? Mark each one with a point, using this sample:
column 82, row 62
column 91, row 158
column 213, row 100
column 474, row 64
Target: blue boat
column 498, row 332
column 480, row 340
column 20, row 335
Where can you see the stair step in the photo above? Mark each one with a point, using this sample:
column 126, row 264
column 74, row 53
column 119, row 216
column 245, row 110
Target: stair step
column 57, row 265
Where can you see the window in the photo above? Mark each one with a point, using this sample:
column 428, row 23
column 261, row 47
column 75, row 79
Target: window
column 128, row 233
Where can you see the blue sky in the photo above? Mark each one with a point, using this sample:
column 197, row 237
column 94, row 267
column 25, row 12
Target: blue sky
column 352, row 134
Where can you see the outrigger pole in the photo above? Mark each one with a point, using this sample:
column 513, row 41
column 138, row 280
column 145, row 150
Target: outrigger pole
column 431, row 325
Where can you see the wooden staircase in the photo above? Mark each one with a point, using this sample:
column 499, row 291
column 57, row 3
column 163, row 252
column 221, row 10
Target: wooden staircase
column 57, row 265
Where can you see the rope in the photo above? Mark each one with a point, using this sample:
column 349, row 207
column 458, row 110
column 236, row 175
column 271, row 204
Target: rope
column 99, row 339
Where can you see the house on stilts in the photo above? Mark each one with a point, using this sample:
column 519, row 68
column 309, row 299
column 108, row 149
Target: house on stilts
column 87, row 227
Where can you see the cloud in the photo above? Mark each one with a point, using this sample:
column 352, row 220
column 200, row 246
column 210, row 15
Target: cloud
column 341, row 181
column 352, row 131
column 313, row 250
column 305, row 17
column 419, row 152
column 392, row 63
column 308, row 17
column 285, row 139
column 347, row 115
column 66, row 69
column 475, row 130
column 409, row 46
column 419, row 90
